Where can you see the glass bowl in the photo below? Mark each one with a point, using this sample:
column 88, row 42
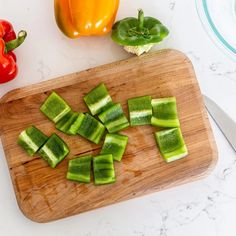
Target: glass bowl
column 218, row 18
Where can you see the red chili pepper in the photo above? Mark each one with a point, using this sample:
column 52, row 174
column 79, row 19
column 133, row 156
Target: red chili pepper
column 8, row 42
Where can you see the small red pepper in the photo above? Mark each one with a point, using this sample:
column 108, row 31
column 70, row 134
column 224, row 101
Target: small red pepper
column 8, row 42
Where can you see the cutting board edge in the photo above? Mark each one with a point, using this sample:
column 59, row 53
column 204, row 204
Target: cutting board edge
column 24, row 91
column 199, row 176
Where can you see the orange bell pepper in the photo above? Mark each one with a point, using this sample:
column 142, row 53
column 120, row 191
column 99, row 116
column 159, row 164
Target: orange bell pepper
column 77, row 18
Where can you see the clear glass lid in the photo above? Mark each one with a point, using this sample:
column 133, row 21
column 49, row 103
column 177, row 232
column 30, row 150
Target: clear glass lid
column 218, row 18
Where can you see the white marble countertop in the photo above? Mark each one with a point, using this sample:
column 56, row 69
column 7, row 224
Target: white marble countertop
column 205, row 207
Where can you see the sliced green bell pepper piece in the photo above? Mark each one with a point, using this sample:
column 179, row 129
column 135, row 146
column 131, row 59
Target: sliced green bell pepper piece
column 103, row 168
column 77, row 123
column 91, row 129
column 31, row 140
column 54, row 150
column 65, row 123
column 165, row 112
column 79, row 169
column 115, row 144
column 54, row 107
column 98, row 99
column 171, row 144
column 114, row 118
column 140, row 110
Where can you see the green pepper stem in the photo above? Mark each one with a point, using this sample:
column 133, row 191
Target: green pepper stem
column 140, row 19
column 13, row 44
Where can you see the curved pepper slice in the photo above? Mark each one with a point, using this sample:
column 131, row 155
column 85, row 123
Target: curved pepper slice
column 77, row 18
column 138, row 35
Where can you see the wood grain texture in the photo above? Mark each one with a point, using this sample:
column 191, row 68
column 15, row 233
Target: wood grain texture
column 44, row 194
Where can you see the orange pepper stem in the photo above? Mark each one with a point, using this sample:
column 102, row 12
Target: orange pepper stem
column 140, row 19
column 11, row 45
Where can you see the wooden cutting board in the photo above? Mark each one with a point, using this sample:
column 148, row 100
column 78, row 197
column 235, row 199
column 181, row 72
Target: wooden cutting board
column 44, row 194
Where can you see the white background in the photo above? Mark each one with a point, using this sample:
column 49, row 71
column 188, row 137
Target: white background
column 205, row 207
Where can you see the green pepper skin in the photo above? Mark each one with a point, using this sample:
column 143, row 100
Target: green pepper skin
column 139, row 31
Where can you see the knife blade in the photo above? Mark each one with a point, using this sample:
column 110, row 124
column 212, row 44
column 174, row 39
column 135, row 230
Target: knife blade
column 226, row 124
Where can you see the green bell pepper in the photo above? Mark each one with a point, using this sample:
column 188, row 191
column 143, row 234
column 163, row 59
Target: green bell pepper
column 138, row 35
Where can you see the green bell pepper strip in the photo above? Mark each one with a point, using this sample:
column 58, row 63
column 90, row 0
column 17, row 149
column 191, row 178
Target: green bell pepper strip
column 139, row 32
column 79, row 169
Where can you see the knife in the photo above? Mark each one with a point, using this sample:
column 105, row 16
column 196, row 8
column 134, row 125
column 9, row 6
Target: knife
column 226, row 124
